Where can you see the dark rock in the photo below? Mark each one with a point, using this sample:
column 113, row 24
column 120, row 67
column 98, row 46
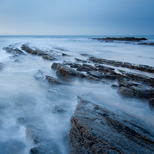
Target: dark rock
column 110, row 76
column 49, row 57
column 59, row 110
column 75, row 65
column 96, row 74
column 33, row 51
column 95, row 129
column 120, row 39
column 64, row 54
column 92, row 78
column 56, row 66
column 84, row 54
column 14, row 51
column 126, row 91
column 53, row 80
column 80, row 60
column 114, row 86
column 66, row 71
column 86, row 68
column 151, row 101
column 146, row 43
column 139, row 90
column 115, row 63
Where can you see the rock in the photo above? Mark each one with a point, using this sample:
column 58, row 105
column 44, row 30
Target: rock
column 92, row 78
column 53, row 80
column 139, row 90
column 114, row 86
column 64, row 54
column 95, row 129
column 96, row 74
column 146, row 43
column 126, row 91
column 49, row 57
column 59, row 110
column 104, row 69
column 84, row 54
column 116, row 63
column 56, row 66
column 75, row 65
column 14, row 51
column 120, row 39
column 151, row 101
column 66, row 71
column 80, row 60
column 33, row 51
column 39, row 75
column 110, row 76
column 86, row 68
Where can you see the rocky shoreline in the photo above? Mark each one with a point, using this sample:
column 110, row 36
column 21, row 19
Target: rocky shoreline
column 95, row 129
column 125, row 39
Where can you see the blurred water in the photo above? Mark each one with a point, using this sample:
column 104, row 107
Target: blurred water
column 47, row 108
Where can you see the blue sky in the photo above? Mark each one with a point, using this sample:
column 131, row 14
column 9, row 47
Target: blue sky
column 76, row 17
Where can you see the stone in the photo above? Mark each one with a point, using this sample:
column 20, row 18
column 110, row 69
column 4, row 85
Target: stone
column 56, row 66
column 49, row 57
column 126, row 91
column 53, row 80
column 95, row 129
column 151, row 101
column 96, row 74
column 33, row 51
column 80, row 60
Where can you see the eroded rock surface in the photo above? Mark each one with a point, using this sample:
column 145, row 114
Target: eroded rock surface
column 95, row 129
column 53, row 80
column 14, row 51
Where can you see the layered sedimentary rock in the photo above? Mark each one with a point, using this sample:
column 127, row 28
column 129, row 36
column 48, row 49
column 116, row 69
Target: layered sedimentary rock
column 96, row 130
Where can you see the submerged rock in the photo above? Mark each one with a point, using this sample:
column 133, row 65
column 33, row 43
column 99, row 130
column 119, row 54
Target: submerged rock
column 80, row 60
column 53, row 80
column 151, row 101
column 49, row 57
column 136, row 89
column 33, row 51
column 120, row 39
column 95, row 129
column 14, row 51
column 1, row 65
column 39, row 75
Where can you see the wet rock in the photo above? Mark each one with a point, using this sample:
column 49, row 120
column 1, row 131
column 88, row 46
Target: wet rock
column 66, row 71
column 146, row 43
column 139, row 77
column 58, row 109
column 126, row 91
column 115, row 63
column 120, row 39
column 80, row 60
column 49, row 57
column 110, row 76
column 33, row 51
column 139, row 90
column 92, row 78
column 56, row 66
column 104, row 69
column 84, row 54
column 96, row 74
column 86, row 68
column 95, row 129
column 39, row 75
column 75, row 65
column 14, row 51
column 151, row 101
column 53, row 80
column 114, row 86
column 64, row 54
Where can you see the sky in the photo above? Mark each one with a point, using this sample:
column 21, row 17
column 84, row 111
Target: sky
column 76, row 17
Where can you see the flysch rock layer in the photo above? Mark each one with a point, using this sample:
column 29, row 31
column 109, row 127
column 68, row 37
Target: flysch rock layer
column 96, row 130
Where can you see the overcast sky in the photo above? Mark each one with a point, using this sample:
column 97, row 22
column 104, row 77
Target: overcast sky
column 77, row 17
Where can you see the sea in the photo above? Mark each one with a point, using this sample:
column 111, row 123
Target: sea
column 33, row 108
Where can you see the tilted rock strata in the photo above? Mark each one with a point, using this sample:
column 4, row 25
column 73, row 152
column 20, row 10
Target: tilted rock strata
column 96, row 130
column 115, row 63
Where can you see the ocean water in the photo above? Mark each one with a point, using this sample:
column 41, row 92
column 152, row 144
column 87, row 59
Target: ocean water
column 43, row 109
